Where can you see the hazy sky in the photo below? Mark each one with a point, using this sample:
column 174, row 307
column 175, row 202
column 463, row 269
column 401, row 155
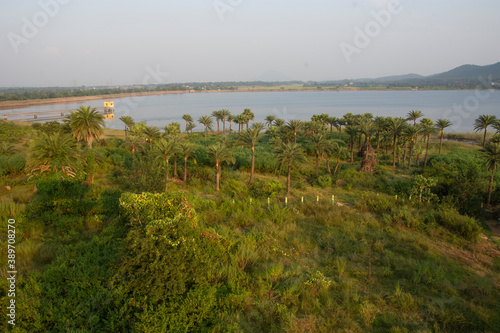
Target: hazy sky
column 76, row 42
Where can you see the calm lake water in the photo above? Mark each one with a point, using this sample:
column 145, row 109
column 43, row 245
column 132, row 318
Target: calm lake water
column 461, row 107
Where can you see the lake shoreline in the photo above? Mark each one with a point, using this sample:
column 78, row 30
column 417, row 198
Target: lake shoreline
column 8, row 105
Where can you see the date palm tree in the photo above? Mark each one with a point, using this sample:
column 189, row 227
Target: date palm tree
column 427, row 129
column 187, row 150
column 395, row 127
column 134, row 143
column 248, row 115
column 188, row 119
column 332, row 122
column 288, row 155
column 218, row 117
column 340, row 153
column 165, row 149
column 270, row 120
column 151, row 132
column 413, row 115
column 441, row 124
column 128, row 121
column 55, row 152
column 341, row 122
column 294, row 126
column 251, row 137
column 411, row 133
column 231, row 118
column 278, row 122
column 492, row 157
column 320, row 146
column 220, row 153
column 177, row 140
column 352, row 131
column 190, row 126
column 224, row 114
column 482, row 123
column 87, row 124
column 207, row 121
column 379, row 125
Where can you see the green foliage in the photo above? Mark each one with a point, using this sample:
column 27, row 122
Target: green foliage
column 13, row 164
column 464, row 226
column 325, row 181
column 269, row 188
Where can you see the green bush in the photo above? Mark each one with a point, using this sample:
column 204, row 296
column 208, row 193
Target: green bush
column 12, row 164
column 269, row 188
column 465, row 226
column 325, row 181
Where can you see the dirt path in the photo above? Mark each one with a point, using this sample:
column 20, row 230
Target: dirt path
column 494, row 226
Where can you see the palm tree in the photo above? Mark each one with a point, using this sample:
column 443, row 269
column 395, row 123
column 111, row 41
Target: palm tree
column 492, row 150
column 218, row 117
column 133, row 143
column 441, row 124
column 251, row 137
column 188, row 119
column 187, row 150
column 395, row 126
column 128, row 121
column 151, row 132
column 482, row 123
column 7, row 149
column 220, row 153
column 177, row 140
column 165, row 149
column 87, row 124
column 427, row 129
column 339, row 152
column 341, row 122
column 248, row 115
column 190, row 127
column 293, row 126
column 278, row 122
column 270, row 120
column 55, row 152
column 138, row 130
column 288, row 155
column 207, row 122
column 231, row 118
column 224, row 114
column 172, row 128
column 411, row 133
column 379, row 125
column 352, row 131
column 320, row 146
column 332, row 121
column 414, row 115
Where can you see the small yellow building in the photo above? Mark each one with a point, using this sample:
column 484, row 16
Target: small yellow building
column 109, row 110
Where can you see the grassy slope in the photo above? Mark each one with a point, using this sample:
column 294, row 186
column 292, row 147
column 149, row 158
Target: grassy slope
column 314, row 266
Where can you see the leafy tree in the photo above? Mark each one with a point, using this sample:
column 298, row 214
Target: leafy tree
column 251, row 137
column 129, row 122
column 288, row 155
column 207, row 122
column 422, row 188
column 151, row 132
column 482, row 123
column 188, row 119
column 441, row 124
column 87, row 124
column 54, row 153
column 492, row 157
column 220, row 153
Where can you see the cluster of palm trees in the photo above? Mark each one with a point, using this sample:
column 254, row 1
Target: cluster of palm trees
column 222, row 116
column 60, row 152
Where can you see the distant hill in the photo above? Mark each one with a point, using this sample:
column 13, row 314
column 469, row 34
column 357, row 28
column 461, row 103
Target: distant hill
column 394, row 78
column 469, row 72
column 272, row 76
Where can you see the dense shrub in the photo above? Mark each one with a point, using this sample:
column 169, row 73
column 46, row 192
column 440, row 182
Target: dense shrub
column 269, row 188
column 325, row 181
column 12, row 164
column 464, row 226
